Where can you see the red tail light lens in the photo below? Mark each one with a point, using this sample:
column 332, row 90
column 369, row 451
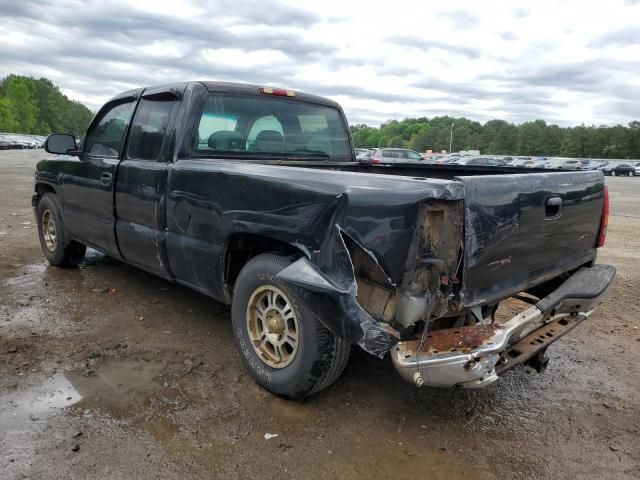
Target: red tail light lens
column 604, row 220
column 373, row 161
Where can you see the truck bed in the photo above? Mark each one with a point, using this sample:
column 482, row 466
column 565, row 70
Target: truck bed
column 522, row 226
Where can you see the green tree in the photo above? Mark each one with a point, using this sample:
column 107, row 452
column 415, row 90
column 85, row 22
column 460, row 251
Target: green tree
column 8, row 122
column 29, row 105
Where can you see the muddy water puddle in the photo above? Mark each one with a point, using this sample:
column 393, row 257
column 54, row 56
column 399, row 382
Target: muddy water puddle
column 117, row 387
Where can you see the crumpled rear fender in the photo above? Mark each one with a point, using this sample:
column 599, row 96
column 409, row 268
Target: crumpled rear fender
column 337, row 308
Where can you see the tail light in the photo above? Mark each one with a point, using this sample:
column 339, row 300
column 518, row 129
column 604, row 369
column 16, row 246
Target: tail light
column 374, row 161
column 604, row 220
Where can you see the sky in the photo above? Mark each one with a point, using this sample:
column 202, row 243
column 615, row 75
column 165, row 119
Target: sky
column 567, row 62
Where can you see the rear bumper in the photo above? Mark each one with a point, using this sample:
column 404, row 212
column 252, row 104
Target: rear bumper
column 474, row 356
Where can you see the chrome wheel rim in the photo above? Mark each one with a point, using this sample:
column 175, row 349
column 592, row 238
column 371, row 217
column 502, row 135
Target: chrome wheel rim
column 272, row 326
column 49, row 232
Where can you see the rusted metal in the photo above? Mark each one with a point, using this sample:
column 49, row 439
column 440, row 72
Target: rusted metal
column 528, row 346
column 433, row 254
column 460, row 339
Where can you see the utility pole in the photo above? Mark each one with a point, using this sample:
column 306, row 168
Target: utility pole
column 451, row 137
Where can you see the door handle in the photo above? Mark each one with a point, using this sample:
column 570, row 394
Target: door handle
column 105, row 179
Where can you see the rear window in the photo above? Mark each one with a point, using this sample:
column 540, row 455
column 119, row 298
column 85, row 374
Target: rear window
column 269, row 127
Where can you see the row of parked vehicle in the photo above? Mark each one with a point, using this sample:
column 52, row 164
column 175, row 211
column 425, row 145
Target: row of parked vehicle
column 386, row 156
column 19, row 141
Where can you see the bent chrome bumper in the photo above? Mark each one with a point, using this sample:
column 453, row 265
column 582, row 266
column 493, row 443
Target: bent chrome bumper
column 474, row 356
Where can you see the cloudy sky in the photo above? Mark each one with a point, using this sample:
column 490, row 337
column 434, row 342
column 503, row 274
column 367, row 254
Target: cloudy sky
column 568, row 62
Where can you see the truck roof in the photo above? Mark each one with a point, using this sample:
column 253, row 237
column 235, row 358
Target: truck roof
column 249, row 89
column 229, row 87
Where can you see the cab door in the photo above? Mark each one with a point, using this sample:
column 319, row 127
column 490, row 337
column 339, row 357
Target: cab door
column 88, row 183
column 142, row 182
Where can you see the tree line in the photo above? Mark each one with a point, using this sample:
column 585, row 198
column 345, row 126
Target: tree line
column 499, row 137
column 36, row 106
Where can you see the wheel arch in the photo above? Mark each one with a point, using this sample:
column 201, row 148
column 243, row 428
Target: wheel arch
column 242, row 247
column 42, row 188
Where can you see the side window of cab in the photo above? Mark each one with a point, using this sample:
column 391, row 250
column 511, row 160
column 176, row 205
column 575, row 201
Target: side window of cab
column 149, row 128
column 106, row 135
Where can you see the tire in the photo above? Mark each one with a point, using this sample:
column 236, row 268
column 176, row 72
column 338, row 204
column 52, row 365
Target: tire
column 319, row 357
column 56, row 245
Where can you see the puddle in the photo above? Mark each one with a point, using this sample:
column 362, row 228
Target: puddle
column 117, row 386
column 37, row 402
column 23, row 415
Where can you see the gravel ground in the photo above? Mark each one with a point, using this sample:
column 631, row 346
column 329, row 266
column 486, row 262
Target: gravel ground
column 109, row 372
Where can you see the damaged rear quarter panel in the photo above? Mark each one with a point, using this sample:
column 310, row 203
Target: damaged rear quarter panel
column 210, row 200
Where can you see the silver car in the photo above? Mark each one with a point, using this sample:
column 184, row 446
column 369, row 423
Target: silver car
column 387, row 156
column 483, row 161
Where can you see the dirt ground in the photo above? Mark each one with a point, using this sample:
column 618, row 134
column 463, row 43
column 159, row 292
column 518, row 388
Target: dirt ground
column 109, row 372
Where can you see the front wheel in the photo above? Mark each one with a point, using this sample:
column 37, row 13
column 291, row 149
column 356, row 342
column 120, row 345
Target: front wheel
column 613, row 173
column 631, row 174
column 285, row 348
column 56, row 245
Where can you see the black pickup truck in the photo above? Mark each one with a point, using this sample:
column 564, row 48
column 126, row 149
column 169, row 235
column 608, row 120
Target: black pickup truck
column 252, row 196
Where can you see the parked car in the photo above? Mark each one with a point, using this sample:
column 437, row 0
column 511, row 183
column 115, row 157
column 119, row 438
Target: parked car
column 312, row 256
column 593, row 165
column 480, row 161
column 536, row 164
column 520, row 162
column 359, row 151
column 636, row 166
column 387, row 156
column 365, row 156
column 446, row 160
column 564, row 164
column 430, row 159
column 5, row 143
column 620, row 169
column 17, row 141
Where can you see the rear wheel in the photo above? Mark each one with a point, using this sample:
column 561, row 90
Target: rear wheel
column 283, row 346
column 56, row 245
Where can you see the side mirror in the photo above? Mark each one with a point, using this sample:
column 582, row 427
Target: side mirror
column 61, row 143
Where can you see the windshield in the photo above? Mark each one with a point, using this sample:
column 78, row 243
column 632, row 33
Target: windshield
column 270, row 127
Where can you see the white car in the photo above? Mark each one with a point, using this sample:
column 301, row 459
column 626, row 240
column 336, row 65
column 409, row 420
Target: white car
column 564, row 164
column 395, row 155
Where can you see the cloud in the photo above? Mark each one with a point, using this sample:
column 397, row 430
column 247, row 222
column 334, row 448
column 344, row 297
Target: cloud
column 413, row 41
column 618, row 38
column 460, row 18
column 479, row 60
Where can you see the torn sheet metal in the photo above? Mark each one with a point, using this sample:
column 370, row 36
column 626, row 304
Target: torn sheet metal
column 337, row 308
